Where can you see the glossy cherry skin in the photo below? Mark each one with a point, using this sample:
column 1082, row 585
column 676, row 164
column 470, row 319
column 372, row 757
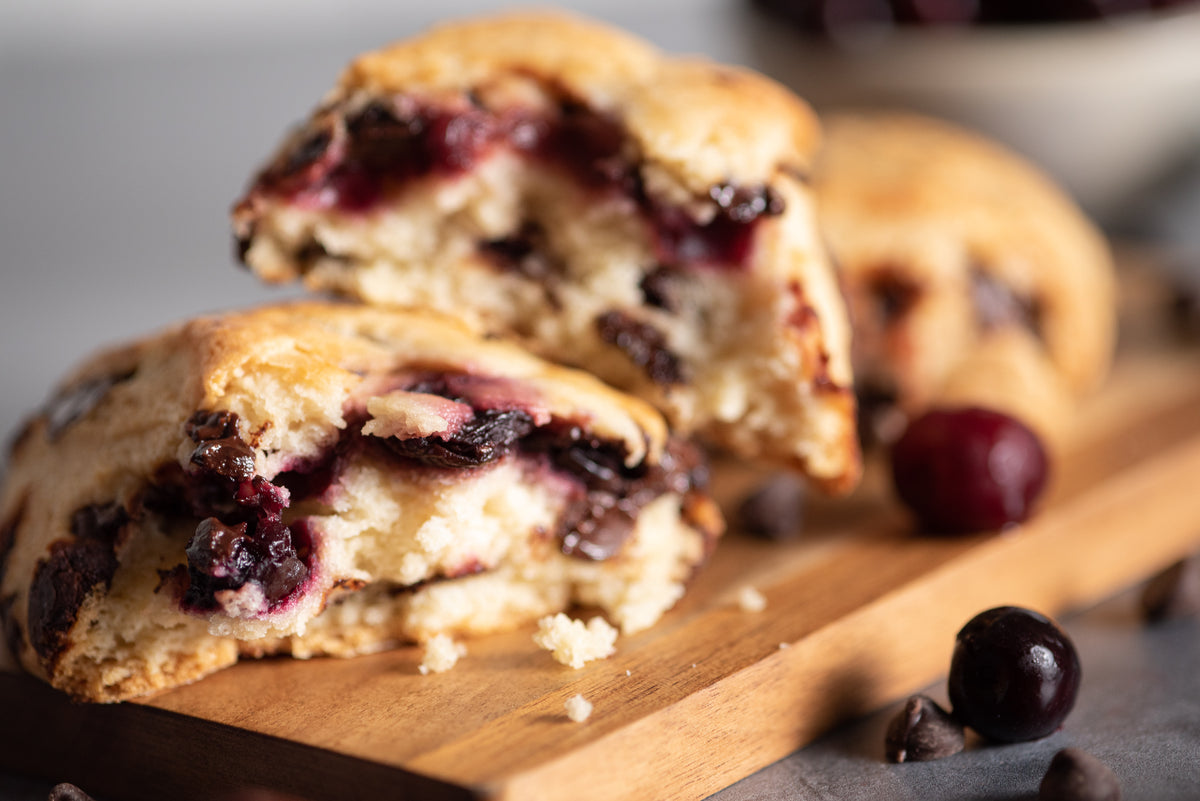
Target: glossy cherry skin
column 1014, row 675
column 968, row 469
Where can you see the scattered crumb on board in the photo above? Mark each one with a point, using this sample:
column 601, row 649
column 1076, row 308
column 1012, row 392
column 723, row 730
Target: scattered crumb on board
column 751, row 600
column 579, row 708
column 441, row 654
column 573, row 643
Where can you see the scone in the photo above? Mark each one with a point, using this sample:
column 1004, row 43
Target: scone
column 645, row 217
column 971, row 278
column 321, row 478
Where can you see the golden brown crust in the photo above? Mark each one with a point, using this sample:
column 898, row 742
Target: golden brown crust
column 705, row 123
column 923, row 218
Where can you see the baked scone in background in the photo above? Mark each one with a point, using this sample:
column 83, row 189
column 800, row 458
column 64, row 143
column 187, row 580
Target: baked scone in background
column 643, row 216
column 320, row 478
column 971, row 277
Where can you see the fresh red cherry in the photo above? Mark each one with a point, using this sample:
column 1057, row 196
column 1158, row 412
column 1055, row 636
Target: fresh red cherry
column 1014, row 675
column 968, row 469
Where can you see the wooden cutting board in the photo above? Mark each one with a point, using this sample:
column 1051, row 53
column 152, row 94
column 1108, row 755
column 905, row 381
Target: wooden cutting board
column 860, row 612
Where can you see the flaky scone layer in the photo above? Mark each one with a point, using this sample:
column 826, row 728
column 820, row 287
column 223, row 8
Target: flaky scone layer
column 642, row 216
column 971, row 277
column 320, row 478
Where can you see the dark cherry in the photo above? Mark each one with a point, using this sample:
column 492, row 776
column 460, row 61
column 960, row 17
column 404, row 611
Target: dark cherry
column 1014, row 675
column 968, row 469
column 223, row 557
column 241, row 537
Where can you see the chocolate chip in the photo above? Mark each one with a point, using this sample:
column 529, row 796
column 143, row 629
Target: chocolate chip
column 998, row 305
column 68, row 792
column 893, row 294
column 75, row 402
column 99, row 522
column 228, row 458
column 661, row 288
column 203, row 426
column 644, row 344
column 922, row 731
column 525, row 253
column 597, row 526
column 63, row 580
column 488, row 436
column 775, row 509
column 1174, row 593
column 61, row 583
column 1076, row 775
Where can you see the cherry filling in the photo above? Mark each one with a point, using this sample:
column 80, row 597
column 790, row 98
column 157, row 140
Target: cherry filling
column 241, row 538
column 601, row 514
column 352, row 163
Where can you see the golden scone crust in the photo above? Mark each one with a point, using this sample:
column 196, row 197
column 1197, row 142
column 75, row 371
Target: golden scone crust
column 971, row 276
column 312, row 446
column 705, row 123
column 643, row 216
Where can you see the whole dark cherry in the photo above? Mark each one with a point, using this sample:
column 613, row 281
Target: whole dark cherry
column 968, row 469
column 1014, row 675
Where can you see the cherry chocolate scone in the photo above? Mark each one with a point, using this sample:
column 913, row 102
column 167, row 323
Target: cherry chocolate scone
column 320, row 478
column 971, row 278
column 645, row 217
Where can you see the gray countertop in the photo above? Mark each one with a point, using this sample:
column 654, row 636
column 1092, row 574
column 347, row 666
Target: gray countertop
column 117, row 167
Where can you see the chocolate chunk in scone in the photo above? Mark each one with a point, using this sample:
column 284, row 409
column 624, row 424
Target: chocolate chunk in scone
column 971, row 278
column 321, row 478
column 644, row 217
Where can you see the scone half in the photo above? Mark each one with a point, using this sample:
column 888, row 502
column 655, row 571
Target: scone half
column 643, row 216
column 319, row 478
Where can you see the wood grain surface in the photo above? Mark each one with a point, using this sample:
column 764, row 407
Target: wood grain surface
column 861, row 610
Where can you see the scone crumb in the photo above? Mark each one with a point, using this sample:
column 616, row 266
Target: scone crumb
column 579, row 708
column 441, row 654
column 573, row 643
column 751, row 600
